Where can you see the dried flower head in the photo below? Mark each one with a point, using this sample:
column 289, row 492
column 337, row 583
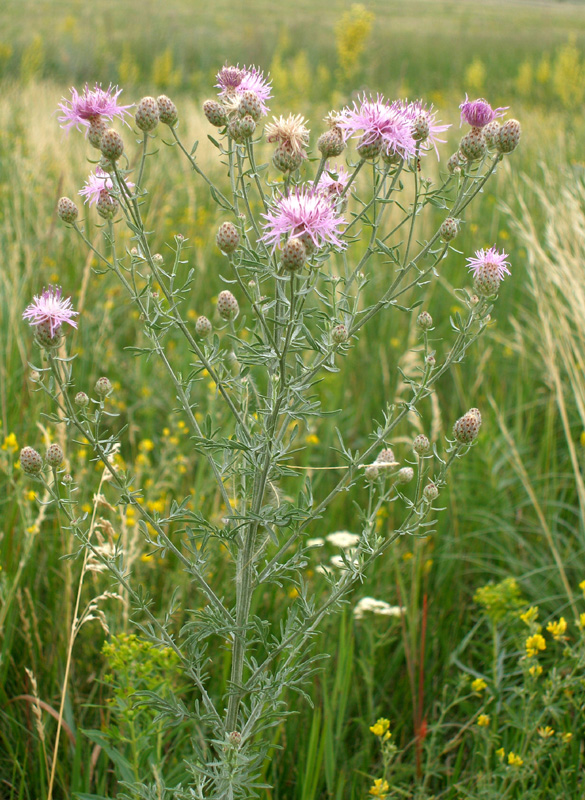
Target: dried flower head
column 81, row 109
column 478, row 113
column 290, row 132
column 50, row 309
column 305, row 214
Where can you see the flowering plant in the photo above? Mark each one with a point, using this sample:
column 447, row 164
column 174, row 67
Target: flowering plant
column 298, row 251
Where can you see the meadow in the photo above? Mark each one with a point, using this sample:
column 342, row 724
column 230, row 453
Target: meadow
column 470, row 716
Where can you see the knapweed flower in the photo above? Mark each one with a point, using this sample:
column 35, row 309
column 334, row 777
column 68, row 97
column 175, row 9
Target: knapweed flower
column 333, row 181
column 305, row 214
column 558, row 629
column 81, row 109
column 418, row 110
column 378, row 122
column 489, row 269
column 478, row 113
column 234, row 81
column 381, row 726
column 289, row 132
column 95, row 185
column 534, row 644
column 50, row 309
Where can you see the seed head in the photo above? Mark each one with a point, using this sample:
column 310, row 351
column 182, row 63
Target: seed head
column 467, row 427
column 203, row 327
column 167, row 110
column 421, row 445
column 405, row 475
column 215, row 113
column 103, row 387
column 227, row 237
column 227, row 305
column 31, row 462
column 473, row 145
column 430, row 492
column 290, row 133
column 449, row 229
column 294, row 255
column 67, row 210
column 508, row 136
column 331, row 143
column 107, row 205
column 147, row 114
column 111, row 144
column 54, row 455
column 81, row 399
column 424, row 321
column 339, row 334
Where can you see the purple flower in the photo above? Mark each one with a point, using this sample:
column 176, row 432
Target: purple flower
column 305, row 214
column 416, row 109
column 489, row 264
column 478, row 113
column 379, row 120
column 96, row 102
column 333, row 180
column 96, row 183
column 234, row 81
column 51, row 309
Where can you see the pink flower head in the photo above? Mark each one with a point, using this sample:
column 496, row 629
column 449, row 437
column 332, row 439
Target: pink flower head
column 96, row 183
column 305, row 214
column 96, row 102
column 377, row 119
column 489, row 263
column 416, row 109
column 234, row 81
column 478, row 113
column 50, row 309
column 333, row 180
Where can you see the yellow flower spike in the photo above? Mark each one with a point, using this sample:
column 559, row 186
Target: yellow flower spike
column 530, row 616
column 535, row 671
column 546, row 732
column 557, row 629
column 534, row 644
column 10, row 443
column 478, row 685
column 483, row 720
column 381, row 726
column 386, row 736
column 514, row 760
column 501, row 753
column 380, row 788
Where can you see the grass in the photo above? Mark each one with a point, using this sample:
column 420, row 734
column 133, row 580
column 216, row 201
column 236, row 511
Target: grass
column 515, row 508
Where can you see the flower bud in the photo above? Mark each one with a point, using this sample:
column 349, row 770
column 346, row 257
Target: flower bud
column 490, row 133
column 330, row 143
column 339, row 334
column 107, row 205
column 421, row 128
column 294, row 255
column 167, row 110
column 147, row 114
column 285, row 160
column 449, row 229
column 103, row 387
column 424, row 321
column 371, row 472
column 67, row 479
column 405, row 475
column 421, row 445
column 81, row 399
column 241, row 128
column 386, row 459
column 467, row 427
column 67, row 210
column 508, row 136
column 455, row 163
column 97, row 127
column 157, row 260
column 234, row 738
column 227, row 237
column 45, row 338
column 369, row 149
column 430, row 360
column 227, row 305
column 430, row 492
column 473, row 145
column 54, row 455
column 111, row 144
column 203, row 327
column 215, row 113
column 31, row 462
column 250, row 105
column 476, row 412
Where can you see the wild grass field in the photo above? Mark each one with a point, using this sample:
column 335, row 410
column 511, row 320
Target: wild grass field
column 470, row 715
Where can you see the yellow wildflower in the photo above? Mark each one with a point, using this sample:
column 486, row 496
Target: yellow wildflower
column 407, row 556
column 582, row 587
column 10, row 443
column 546, row 732
column 478, row 685
column 530, row 616
column 557, row 628
column 534, row 644
column 146, row 557
column 293, row 593
column 312, row 439
column 381, row 726
column 483, row 720
column 380, row 788
column 501, row 753
column 535, row 671
column 514, row 760
column 31, row 495
column 582, row 621
column 146, row 445
column 566, row 737
column 166, row 431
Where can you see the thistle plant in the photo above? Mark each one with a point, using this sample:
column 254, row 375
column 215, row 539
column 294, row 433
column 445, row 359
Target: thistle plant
column 299, row 245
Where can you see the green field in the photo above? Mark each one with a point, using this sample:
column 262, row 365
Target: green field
column 514, row 507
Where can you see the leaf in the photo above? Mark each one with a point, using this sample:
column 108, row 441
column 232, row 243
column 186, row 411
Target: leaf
column 195, row 146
